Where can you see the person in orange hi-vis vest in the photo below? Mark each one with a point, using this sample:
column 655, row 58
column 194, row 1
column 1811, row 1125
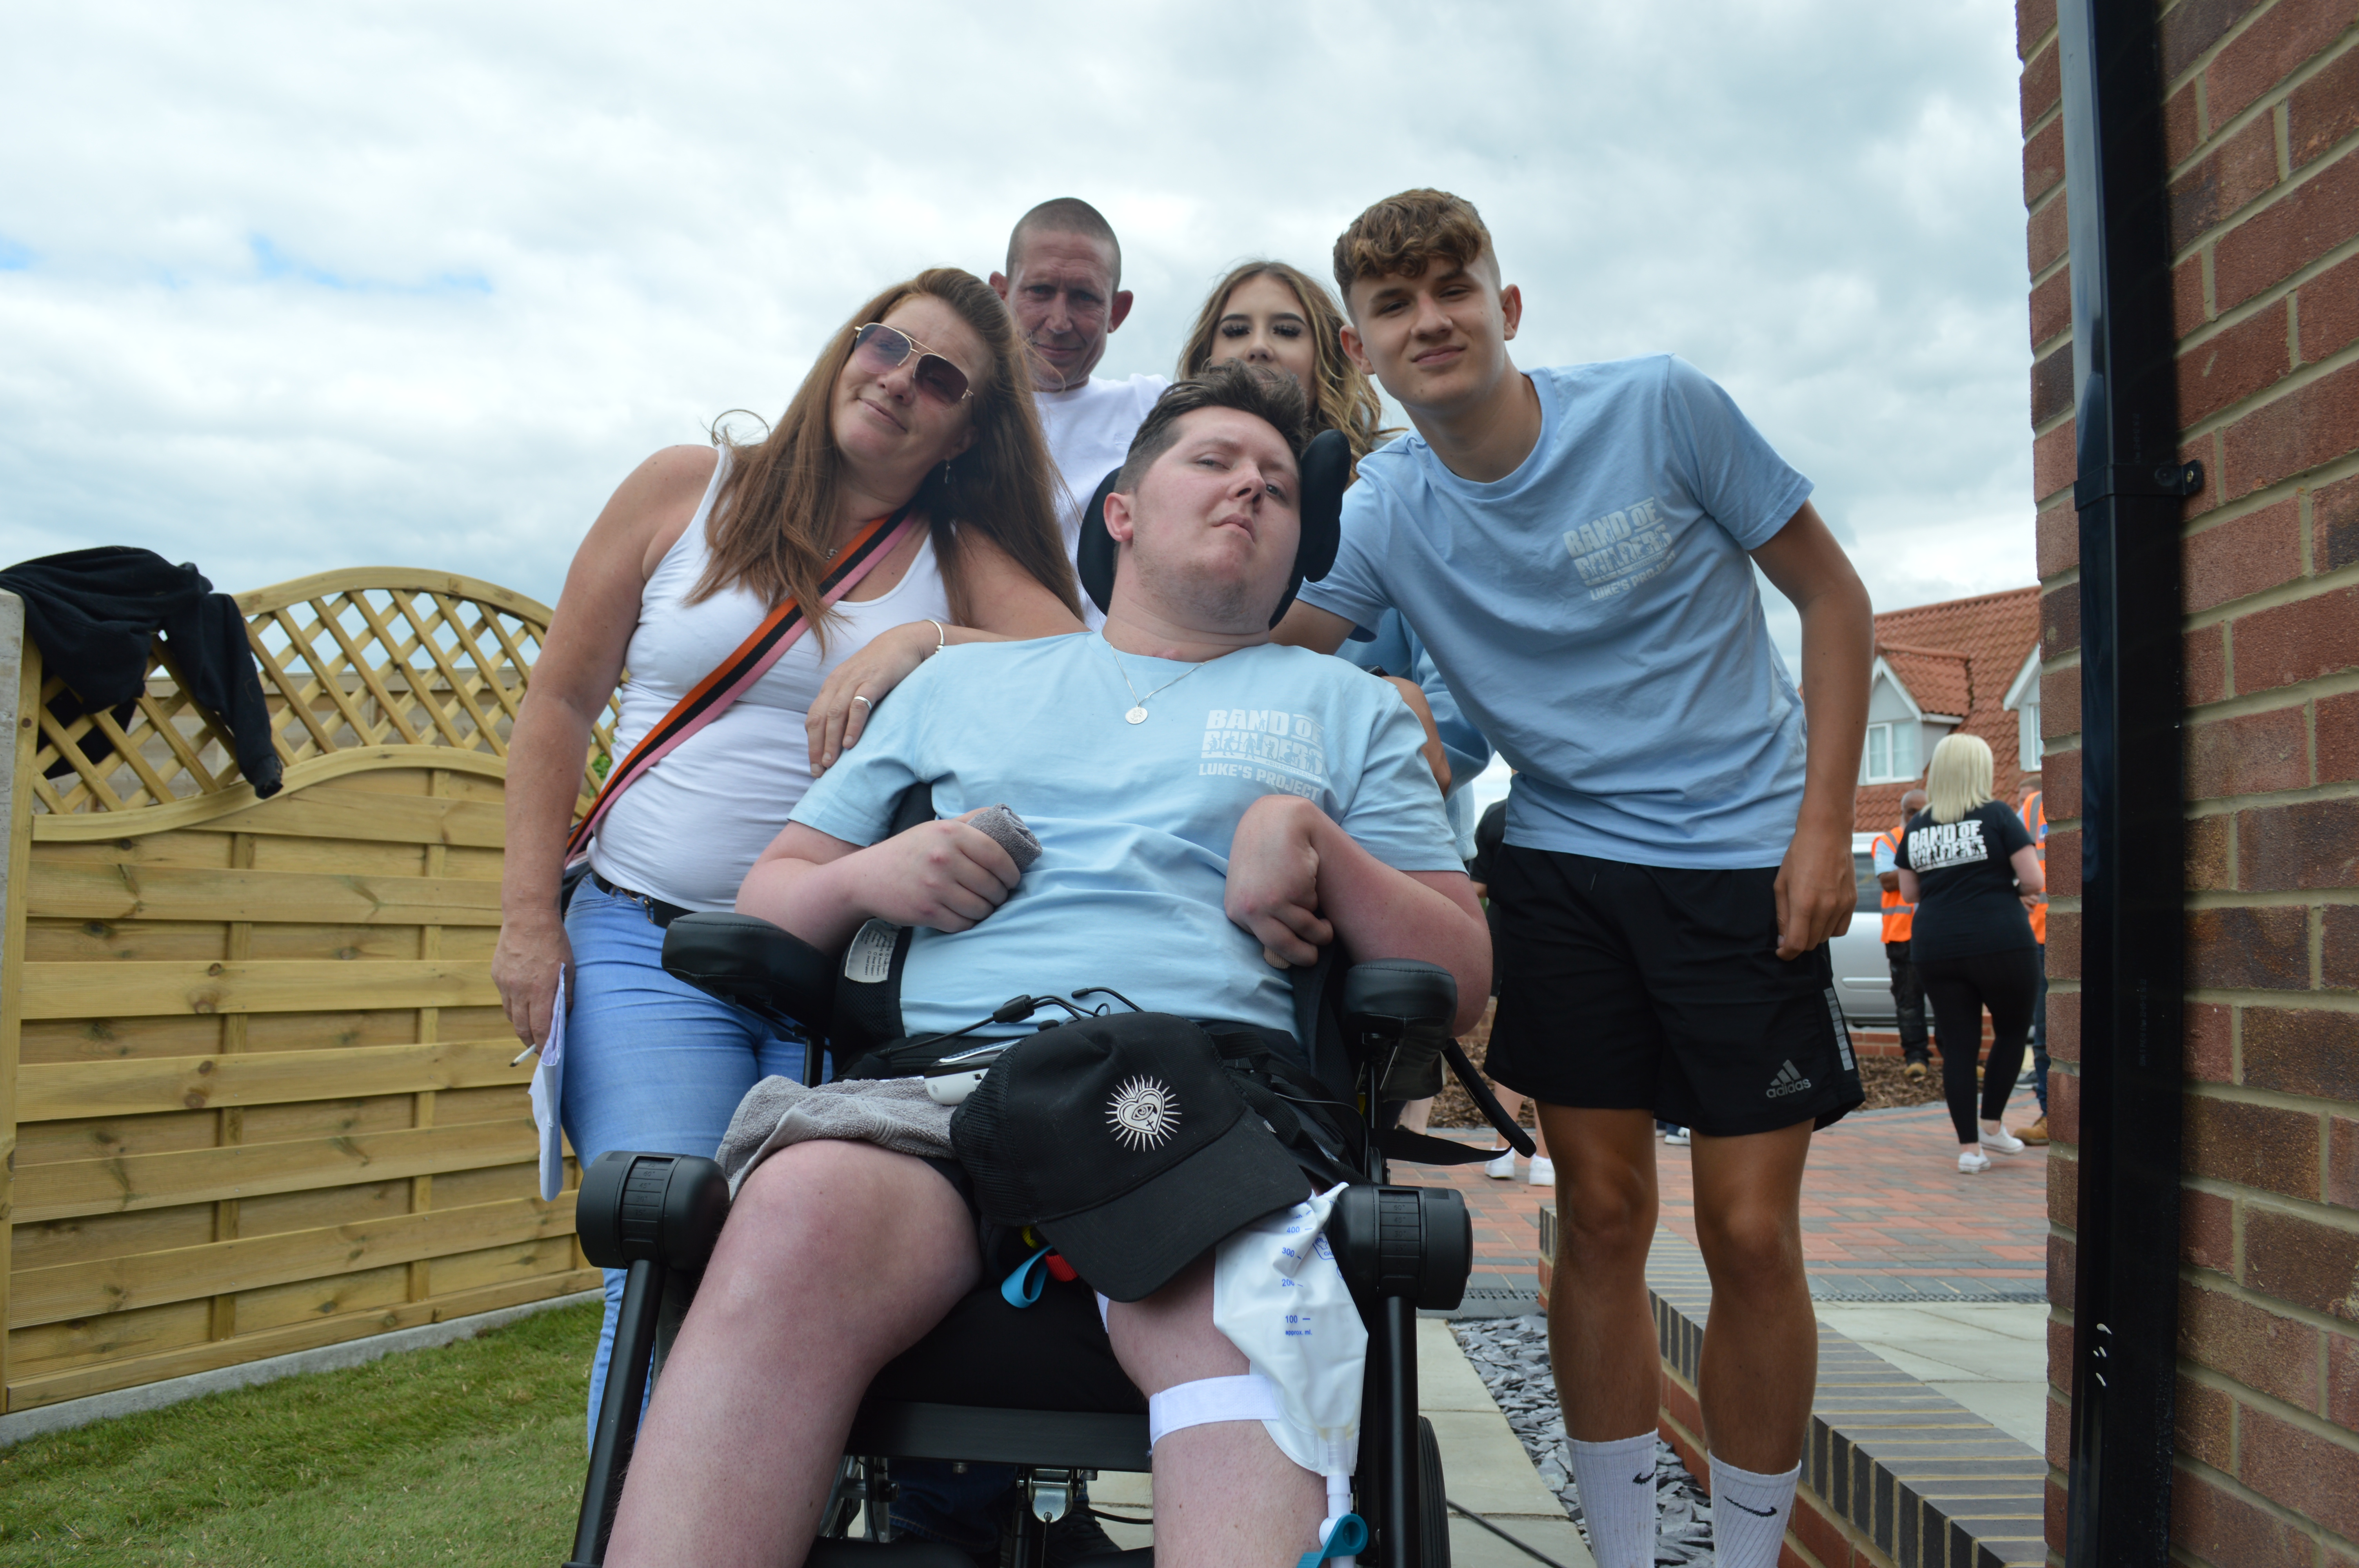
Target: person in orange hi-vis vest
column 2034, row 812
column 1907, row 995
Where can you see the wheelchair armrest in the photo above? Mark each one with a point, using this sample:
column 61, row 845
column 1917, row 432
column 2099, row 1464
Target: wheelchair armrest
column 1417, row 1242
column 1392, row 996
column 654, row 1208
column 747, row 961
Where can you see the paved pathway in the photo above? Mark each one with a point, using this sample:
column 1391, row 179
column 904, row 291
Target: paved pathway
column 1886, row 1216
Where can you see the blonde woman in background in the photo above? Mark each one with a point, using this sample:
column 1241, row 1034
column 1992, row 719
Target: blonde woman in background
column 1965, row 863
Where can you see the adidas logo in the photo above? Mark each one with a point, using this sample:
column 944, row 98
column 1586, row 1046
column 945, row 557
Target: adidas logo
column 1787, row 1081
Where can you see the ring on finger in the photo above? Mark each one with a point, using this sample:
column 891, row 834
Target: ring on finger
column 857, row 697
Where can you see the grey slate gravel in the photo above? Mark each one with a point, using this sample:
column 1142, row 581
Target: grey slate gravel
column 1510, row 1354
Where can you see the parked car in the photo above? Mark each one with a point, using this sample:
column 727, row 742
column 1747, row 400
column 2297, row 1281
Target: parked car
column 1862, row 979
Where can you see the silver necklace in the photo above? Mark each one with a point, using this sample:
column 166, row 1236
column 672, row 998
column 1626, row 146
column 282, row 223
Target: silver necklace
column 1138, row 714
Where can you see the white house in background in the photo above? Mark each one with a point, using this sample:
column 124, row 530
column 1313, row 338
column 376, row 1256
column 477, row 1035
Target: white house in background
column 1968, row 664
column 2023, row 702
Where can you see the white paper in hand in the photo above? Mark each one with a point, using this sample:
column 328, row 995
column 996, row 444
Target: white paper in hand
column 548, row 1084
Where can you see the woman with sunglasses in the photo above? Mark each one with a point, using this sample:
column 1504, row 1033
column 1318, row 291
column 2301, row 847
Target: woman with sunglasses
column 919, row 411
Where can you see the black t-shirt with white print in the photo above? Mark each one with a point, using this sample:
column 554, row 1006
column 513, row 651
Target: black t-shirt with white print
column 1968, row 903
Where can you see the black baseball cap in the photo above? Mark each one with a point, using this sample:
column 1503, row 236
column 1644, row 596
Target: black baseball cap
column 1122, row 1143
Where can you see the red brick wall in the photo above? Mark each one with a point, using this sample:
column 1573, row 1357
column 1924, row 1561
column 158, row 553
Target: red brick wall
column 2262, row 116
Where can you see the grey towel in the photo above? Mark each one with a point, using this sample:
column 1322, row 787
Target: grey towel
column 892, row 1113
column 1006, row 829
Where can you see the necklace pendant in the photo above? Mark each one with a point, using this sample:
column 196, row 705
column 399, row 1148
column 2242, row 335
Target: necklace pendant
column 1135, row 716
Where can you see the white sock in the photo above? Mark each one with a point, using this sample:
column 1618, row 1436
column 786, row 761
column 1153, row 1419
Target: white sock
column 1616, row 1481
column 1749, row 1515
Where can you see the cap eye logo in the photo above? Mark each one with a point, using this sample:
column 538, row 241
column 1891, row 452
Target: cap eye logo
column 1142, row 1113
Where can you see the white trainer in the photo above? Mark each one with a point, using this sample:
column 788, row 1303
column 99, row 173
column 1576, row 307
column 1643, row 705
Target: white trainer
column 1972, row 1162
column 2001, row 1142
column 1679, row 1137
column 1543, row 1172
column 1502, row 1169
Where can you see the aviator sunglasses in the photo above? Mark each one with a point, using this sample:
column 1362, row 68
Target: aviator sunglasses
column 884, row 348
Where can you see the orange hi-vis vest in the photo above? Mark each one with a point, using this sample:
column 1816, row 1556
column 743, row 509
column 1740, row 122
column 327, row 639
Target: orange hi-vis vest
column 1900, row 917
column 2034, row 812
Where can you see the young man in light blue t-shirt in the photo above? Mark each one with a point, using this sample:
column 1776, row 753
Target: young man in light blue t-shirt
column 1210, row 808
column 1575, row 548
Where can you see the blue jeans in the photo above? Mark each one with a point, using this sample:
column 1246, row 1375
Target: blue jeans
column 651, row 1063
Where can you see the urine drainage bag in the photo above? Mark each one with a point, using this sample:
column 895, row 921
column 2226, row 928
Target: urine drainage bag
column 1280, row 1296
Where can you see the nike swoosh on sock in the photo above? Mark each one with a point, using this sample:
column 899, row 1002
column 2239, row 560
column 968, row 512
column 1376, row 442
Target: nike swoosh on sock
column 1765, row 1513
column 1645, row 1480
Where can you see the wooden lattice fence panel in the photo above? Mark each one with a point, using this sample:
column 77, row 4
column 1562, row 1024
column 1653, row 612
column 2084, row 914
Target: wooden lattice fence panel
column 261, row 1091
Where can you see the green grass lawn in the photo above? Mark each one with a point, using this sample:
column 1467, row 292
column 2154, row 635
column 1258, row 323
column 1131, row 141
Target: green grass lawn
column 469, row 1454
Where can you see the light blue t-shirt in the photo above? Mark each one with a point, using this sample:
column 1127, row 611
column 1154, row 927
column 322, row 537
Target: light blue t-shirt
column 1135, row 820
column 1395, row 649
column 1596, row 615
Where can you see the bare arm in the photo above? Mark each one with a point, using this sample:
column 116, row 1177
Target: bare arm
column 1307, row 626
column 1436, row 755
column 1296, row 882
column 2030, row 876
column 1888, row 881
column 945, row 875
column 1009, row 606
column 580, row 659
column 1909, row 885
column 1815, row 888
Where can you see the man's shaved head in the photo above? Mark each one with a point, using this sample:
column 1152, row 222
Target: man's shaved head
column 1065, row 215
column 1915, row 801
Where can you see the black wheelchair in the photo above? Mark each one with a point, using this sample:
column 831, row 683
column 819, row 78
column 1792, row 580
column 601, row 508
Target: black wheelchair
column 1049, row 1398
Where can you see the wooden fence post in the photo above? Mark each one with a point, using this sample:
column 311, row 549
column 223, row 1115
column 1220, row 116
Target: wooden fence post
column 15, row 823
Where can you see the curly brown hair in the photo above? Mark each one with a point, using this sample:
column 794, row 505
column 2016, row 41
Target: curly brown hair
column 1402, row 235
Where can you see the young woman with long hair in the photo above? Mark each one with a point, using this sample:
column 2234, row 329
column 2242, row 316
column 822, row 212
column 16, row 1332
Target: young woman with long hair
column 919, row 408
column 1265, row 312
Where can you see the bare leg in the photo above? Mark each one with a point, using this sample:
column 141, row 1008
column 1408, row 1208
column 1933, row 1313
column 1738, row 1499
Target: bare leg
column 1513, row 1104
column 1224, row 1494
column 837, row 1257
column 1760, row 1358
column 1601, row 1326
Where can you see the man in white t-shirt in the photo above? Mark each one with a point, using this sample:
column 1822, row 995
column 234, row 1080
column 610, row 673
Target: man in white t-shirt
column 1063, row 285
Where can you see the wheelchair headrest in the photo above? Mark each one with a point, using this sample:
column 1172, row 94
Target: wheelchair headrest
column 1326, row 466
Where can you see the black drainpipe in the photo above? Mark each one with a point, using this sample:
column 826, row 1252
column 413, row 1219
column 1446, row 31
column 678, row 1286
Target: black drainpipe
column 2128, row 490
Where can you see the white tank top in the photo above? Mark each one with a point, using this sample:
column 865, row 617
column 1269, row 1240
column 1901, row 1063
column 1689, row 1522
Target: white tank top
column 688, row 831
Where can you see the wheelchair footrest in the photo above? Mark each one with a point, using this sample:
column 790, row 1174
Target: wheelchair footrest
column 909, row 1551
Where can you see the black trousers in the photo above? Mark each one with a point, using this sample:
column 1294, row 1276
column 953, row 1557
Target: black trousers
column 1909, row 998
column 1959, row 990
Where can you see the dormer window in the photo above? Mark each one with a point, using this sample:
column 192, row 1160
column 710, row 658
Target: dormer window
column 1891, row 755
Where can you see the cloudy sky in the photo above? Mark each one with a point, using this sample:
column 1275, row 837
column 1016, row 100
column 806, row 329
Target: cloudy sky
column 291, row 288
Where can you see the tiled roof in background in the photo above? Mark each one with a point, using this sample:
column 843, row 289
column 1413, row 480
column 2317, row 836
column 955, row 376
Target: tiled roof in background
column 1966, row 652
column 1941, row 682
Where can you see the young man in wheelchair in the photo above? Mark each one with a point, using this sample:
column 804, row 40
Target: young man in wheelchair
column 1211, row 808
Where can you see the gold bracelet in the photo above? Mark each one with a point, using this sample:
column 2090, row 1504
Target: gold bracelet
column 941, row 632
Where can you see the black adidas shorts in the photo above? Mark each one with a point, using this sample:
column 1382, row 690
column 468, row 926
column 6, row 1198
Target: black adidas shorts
column 1640, row 988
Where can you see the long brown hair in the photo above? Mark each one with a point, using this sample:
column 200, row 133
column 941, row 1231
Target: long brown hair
column 1344, row 398
column 773, row 519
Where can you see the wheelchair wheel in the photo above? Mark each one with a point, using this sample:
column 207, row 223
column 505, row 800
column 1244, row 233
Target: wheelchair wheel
column 1433, row 1506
